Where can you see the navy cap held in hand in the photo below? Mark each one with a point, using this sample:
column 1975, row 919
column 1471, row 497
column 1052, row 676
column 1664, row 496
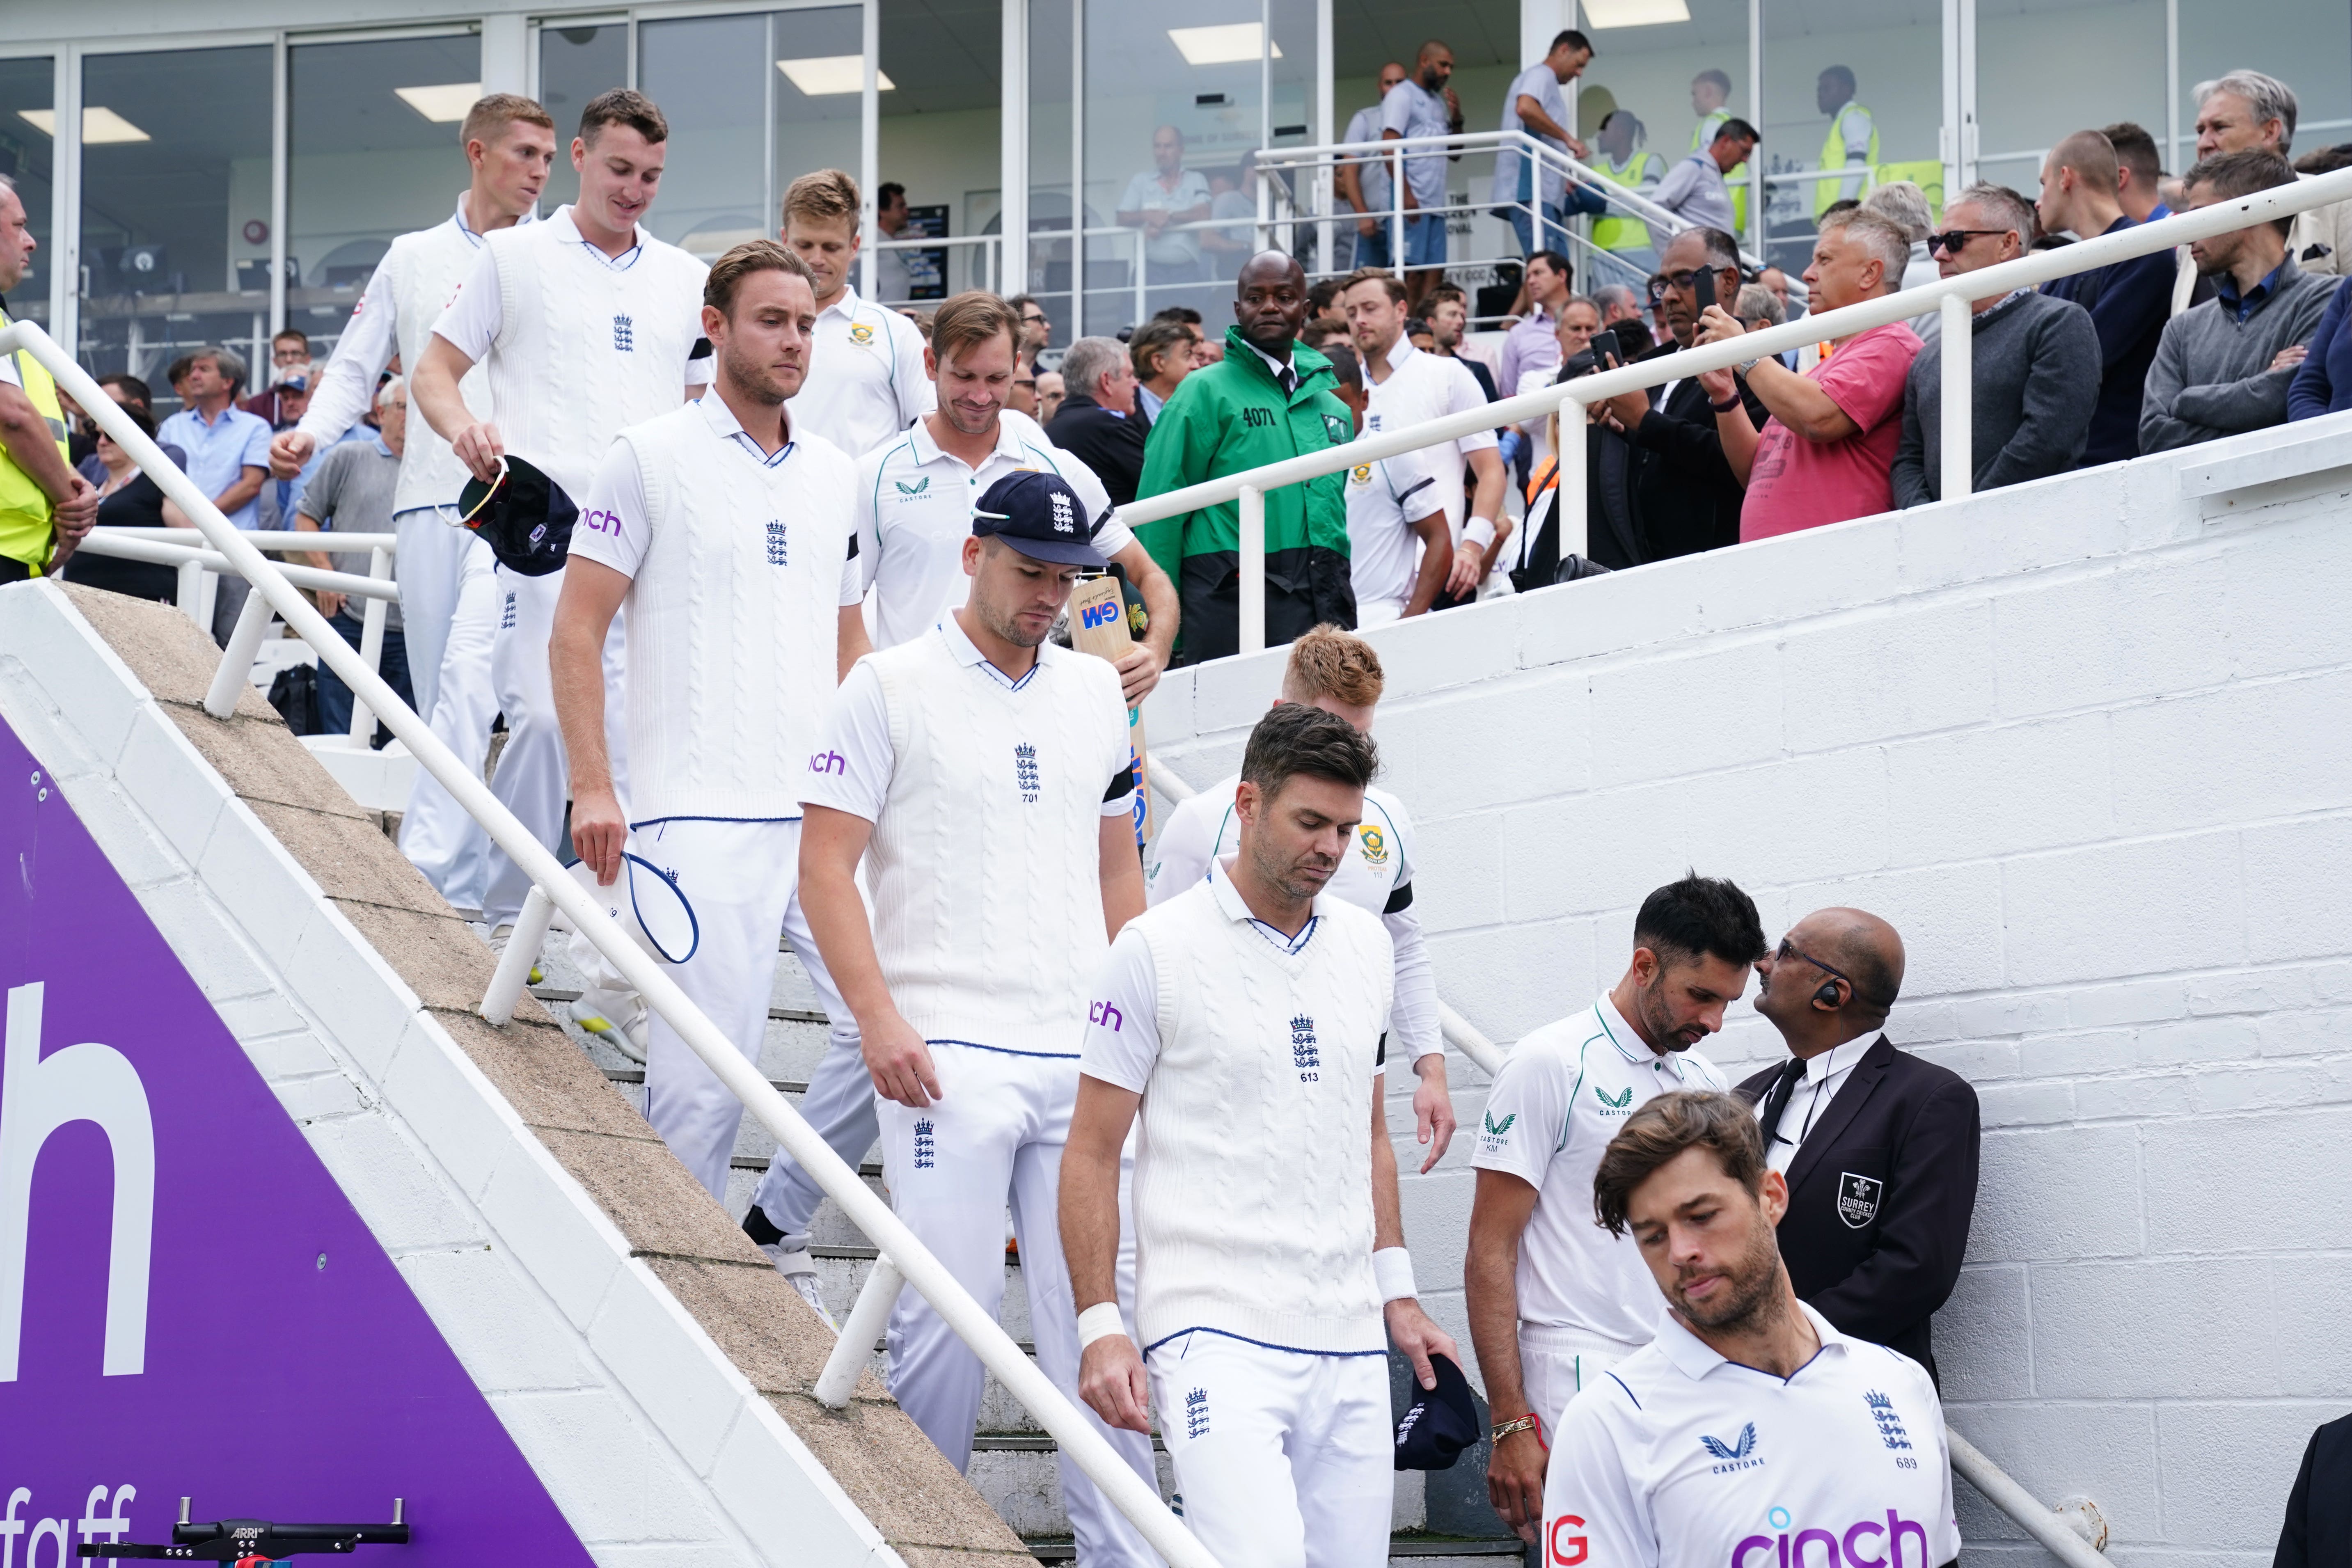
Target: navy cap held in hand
column 1442, row 1423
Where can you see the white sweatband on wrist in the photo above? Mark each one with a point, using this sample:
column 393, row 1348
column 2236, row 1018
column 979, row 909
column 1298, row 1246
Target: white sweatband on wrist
column 1392, row 1272
column 1101, row 1320
column 1478, row 533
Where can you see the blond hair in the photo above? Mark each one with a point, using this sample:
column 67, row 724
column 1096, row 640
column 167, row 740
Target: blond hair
column 1329, row 662
column 489, row 117
column 972, row 318
column 829, row 195
column 726, row 274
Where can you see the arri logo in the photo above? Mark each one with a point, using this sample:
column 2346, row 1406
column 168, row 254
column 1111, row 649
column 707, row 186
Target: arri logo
column 1885, row 1553
column 1735, row 1456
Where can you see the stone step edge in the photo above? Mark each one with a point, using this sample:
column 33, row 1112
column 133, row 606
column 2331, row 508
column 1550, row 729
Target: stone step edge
column 775, row 1015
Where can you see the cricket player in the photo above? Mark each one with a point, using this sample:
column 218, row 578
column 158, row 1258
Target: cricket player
column 1748, row 1432
column 983, row 775
column 915, row 497
column 1241, row 1021
column 1339, row 673
column 1554, row 1300
column 725, row 534
column 584, row 325
column 865, row 381
column 448, row 597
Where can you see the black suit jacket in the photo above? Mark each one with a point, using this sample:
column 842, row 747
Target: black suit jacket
column 1110, row 446
column 1684, row 491
column 2318, row 1529
column 1879, row 1196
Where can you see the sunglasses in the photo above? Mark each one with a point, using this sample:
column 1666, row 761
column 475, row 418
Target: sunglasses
column 1952, row 239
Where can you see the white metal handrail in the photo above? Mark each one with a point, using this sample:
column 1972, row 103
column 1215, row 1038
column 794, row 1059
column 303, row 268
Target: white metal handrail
column 281, row 542
column 2004, row 1491
column 1950, row 296
column 161, row 553
column 1086, row 1447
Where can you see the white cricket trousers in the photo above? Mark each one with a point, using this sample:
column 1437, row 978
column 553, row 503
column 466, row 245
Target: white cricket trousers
column 997, row 1132
column 449, row 601
column 534, row 780
column 1284, row 1458
column 840, row 1105
column 1555, row 1364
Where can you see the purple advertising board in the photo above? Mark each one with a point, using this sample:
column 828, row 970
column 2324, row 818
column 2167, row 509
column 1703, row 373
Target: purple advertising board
column 189, row 1305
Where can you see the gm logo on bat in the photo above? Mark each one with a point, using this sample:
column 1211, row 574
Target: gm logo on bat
column 1100, row 615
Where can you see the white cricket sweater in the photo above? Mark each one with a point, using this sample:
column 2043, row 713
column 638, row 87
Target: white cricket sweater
column 732, row 619
column 427, row 269
column 986, row 860
column 1253, row 1162
column 585, row 350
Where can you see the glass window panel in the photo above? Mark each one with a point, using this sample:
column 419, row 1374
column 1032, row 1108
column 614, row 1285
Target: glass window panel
column 367, row 165
column 28, row 95
column 1052, row 25
column 1884, row 128
column 710, row 75
column 175, row 215
column 817, row 114
column 1652, row 97
column 576, row 62
column 2028, row 99
column 2306, row 44
column 1169, row 110
column 939, row 139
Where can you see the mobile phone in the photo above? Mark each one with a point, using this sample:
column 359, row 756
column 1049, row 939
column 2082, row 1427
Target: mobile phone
column 1703, row 285
column 1595, row 356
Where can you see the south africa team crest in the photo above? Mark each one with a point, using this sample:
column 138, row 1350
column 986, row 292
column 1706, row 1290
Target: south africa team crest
column 1374, row 844
column 861, row 334
column 1361, row 474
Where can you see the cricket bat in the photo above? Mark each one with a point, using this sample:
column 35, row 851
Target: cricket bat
column 1098, row 627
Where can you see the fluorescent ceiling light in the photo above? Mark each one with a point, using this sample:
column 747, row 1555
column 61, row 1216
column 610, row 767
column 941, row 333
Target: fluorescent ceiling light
column 831, row 76
column 443, row 105
column 1634, row 13
column 1230, row 44
column 99, row 126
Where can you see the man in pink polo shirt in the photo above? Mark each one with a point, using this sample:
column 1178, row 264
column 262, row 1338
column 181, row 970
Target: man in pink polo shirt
column 1826, row 453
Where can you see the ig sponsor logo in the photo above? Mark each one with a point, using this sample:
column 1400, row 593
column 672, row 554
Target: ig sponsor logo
column 1563, row 1548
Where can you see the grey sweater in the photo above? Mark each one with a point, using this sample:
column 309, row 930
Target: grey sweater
column 2036, row 379
column 2212, row 378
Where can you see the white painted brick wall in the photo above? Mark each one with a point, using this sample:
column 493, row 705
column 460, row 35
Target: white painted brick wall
column 2086, row 743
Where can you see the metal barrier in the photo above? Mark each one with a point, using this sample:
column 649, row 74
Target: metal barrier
column 2075, row 1537
column 552, row 889
column 1950, row 296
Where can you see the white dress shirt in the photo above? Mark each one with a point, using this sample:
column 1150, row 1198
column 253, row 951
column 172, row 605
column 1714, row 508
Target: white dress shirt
column 1824, row 1075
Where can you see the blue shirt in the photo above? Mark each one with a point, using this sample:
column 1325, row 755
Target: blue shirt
column 2226, row 290
column 2129, row 302
column 219, row 451
column 2324, row 384
column 1411, row 109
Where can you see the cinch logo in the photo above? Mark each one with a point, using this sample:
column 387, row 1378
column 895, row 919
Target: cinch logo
column 1105, row 1015
column 1563, row 1550
column 1100, row 615
column 1738, row 1456
column 1791, row 1548
column 926, row 1146
column 601, row 520
column 827, row 762
column 38, row 1095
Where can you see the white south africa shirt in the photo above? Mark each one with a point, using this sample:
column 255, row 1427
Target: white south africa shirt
column 1421, row 387
column 1563, row 1094
column 914, row 511
column 1679, row 1459
column 1385, row 498
column 865, row 381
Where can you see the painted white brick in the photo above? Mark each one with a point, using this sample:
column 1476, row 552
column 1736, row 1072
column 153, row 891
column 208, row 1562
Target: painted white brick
column 1233, row 693
column 79, row 675
column 1950, row 917
column 260, row 884
column 2276, row 749
column 2310, row 1354
column 364, row 1005
column 620, row 1486
column 2156, row 626
column 1529, row 975
column 2228, row 1465
column 2105, row 1451
column 2208, row 1180
column 2302, row 1034
column 778, row 1494
column 2025, row 1104
column 1426, row 653
column 2194, row 1041
column 2009, row 530
column 1999, row 790
column 1827, row 815
column 1978, row 1061
column 318, row 1096
column 1458, row 879
column 2124, row 909
column 171, row 785
column 2136, row 1098
column 1983, row 1337
column 140, row 855
column 1726, row 705
column 209, row 949
column 2298, row 882
column 665, row 1362
column 505, row 1349
column 2134, row 1002
column 560, row 1239
column 2011, row 1014
column 450, row 1105
column 1530, row 738
column 2057, row 1195
column 394, row 1192
column 1876, row 676
column 2257, row 991
column 2168, row 1329
column 2275, row 590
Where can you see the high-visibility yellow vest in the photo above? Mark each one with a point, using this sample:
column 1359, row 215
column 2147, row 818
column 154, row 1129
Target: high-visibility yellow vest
column 1615, row 233
column 1928, row 173
column 26, row 510
column 1702, row 137
column 1827, row 193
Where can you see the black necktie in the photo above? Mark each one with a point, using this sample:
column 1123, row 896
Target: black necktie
column 1776, row 1098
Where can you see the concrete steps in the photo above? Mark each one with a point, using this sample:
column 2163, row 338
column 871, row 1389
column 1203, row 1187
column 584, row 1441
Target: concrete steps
column 1014, row 1463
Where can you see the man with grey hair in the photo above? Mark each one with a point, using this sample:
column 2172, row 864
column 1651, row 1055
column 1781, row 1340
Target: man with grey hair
column 2035, row 371
column 2245, row 110
column 1096, row 422
column 2223, row 367
column 1617, row 302
column 1906, row 204
column 1825, row 454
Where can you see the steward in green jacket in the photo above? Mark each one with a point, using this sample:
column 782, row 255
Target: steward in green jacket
column 1241, row 412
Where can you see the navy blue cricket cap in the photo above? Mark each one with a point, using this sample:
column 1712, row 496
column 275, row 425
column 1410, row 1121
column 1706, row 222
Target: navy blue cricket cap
column 1442, row 1423
column 1036, row 512
column 524, row 517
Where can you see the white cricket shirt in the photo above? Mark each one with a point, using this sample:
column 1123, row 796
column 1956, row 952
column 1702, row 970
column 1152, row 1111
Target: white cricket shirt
column 865, row 381
column 1385, row 498
column 914, row 511
column 1563, row 1094
column 1678, row 1458
column 1421, row 387
column 1376, row 876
